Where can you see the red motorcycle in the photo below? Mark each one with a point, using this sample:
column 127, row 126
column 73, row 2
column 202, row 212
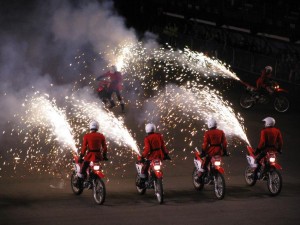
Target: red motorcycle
column 153, row 180
column 93, row 180
column 268, row 171
column 213, row 175
column 281, row 102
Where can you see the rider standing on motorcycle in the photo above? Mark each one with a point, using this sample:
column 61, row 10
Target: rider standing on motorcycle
column 263, row 82
column 114, row 86
column 154, row 147
column 270, row 140
column 214, row 143
column 95, row 145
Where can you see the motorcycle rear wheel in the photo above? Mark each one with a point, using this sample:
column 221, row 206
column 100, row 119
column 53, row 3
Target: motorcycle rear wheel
column 75, row 186
column 140, row 190
column 159, row 191
column 99, row 191
column 274, row 182
column 281, row 103
column 246, row 101
column 249, row 176
column 220, row 186
column 198, row 185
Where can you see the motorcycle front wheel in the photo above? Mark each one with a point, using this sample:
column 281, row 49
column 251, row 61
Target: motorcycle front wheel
column 76, row 187
column 159, row 192
column 281, row 103
column 274, row 182
column 99, row 191
column 198, row 185
column 246, row 101
column 219, row 185
column 249, row 176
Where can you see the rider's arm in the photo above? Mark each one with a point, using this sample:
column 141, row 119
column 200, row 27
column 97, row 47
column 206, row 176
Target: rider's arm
column 262, row 141
column 146, row 148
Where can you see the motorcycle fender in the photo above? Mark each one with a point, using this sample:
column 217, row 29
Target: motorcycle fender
column 158, row 174
column 280, row 90
column 277, row 166
column 251, row 161
column 139, row 170
column 99, row 174
column 77, row 167
column 198, row 165
column 220, row 170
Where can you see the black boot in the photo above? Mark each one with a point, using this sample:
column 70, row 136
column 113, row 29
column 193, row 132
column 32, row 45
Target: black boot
column 123, row 107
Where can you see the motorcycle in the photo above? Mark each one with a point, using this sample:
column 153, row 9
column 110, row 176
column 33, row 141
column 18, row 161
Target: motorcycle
column 268, row 171
column 213, row 175
column 154, row 180
column 93, row 180
column 281, row 102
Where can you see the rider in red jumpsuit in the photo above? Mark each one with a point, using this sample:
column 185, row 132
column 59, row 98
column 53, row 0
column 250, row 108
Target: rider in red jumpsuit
column 93, row 148
column 270, row 140
column 154, row 147
column 114, row 86
column 263, row 82
column 214, row 142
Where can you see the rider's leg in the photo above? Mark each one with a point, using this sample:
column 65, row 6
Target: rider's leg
column 118, row 93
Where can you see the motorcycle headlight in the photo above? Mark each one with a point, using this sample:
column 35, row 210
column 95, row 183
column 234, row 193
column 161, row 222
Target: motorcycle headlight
column 156, row 167
column 217, row 163
column 96, row 167
column 272, row 159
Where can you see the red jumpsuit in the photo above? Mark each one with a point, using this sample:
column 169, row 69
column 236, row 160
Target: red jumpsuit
column 115, row 80
column 95, row 144
column 154, row 147
column 263, row 81
column 270, row 139
column 214, row 142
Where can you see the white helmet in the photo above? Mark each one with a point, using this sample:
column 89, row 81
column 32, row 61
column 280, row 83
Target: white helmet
column 269, row 121
column 211, row 122
column 113, row 69
column 268, row 69
column 94, row 125
column 150, row 127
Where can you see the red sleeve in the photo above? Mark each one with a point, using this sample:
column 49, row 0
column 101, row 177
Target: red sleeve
column 205, row 142
column 84, row 145
column 262, row 140
column 146, row 148
column 224, row 141
column 104, row 146
column 163, row 146
column 279, row 140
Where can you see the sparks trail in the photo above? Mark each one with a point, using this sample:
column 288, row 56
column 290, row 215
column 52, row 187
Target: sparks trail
column 180, row 87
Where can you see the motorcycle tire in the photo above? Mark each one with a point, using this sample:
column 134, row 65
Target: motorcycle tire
column 198, row 185
column 75, row 186
column 246, row 101
column 220, row 186
column 281, row 103
column 140, row 190
column 99, row 191
column 249, row 176
column 274, row 182
column 159, row 191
